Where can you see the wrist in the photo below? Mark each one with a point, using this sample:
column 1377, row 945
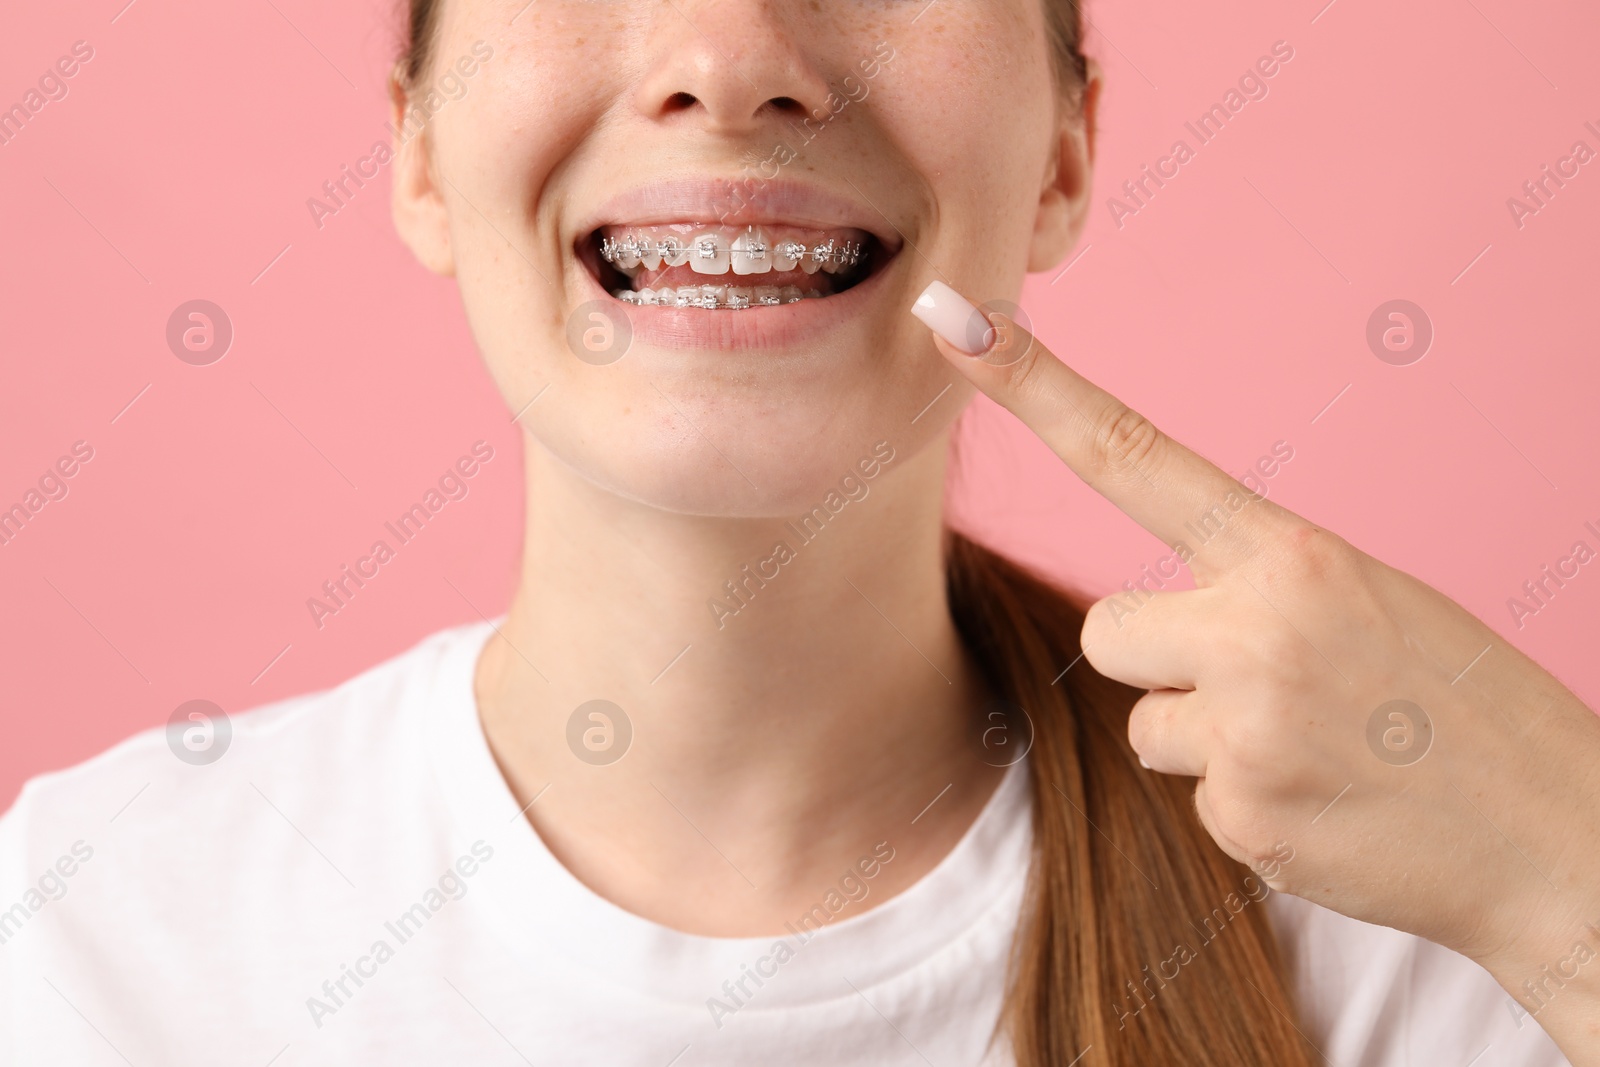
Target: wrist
column 1557, row 986
column 1537, row 977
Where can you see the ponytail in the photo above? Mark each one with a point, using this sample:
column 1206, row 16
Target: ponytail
column 1141, row 942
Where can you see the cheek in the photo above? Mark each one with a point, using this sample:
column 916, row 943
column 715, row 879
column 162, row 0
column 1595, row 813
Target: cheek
column 983, row 152
column 533, row 104
column 985, row 67
column 527, row 110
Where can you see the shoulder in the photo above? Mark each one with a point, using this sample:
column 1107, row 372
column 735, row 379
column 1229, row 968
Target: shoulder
column 142, row 879
column 312, row 741
column 1374, row 995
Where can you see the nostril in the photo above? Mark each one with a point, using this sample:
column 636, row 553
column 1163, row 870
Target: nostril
column 680, row 102
column 785, row 103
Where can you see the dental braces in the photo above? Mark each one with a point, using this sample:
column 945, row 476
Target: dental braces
column 715, row 297
column 627, row 251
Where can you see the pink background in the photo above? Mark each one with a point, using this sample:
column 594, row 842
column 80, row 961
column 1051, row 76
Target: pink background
column 1232, row 309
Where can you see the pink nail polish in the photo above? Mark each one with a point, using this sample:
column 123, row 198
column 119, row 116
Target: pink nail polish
column 948, row 314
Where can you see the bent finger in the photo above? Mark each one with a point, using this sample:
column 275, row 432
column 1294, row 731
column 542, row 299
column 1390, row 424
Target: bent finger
column 1168, row 728
column 1151, row 640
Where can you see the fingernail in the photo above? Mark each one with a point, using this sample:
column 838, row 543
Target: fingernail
column 1143, row 764
column 948, row 314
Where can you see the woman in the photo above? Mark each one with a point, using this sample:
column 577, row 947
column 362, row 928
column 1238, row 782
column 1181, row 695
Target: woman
column 764, row 764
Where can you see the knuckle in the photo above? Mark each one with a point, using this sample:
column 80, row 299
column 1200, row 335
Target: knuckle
column 1094, row 623
column 1263, row 749
column 1317, row 555
column 1248, row 824
column 1124, row 438
column 1097, row 655
column 1139, row 735
column 1254, row 736
column 1268, row 864
column 1100, row 623
column 1145, row 721
column 1260, row 643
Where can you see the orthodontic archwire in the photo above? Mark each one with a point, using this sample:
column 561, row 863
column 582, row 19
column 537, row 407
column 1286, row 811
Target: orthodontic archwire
column 845, row 253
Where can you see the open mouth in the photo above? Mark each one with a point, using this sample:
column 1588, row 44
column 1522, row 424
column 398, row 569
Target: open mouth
column 730, row 268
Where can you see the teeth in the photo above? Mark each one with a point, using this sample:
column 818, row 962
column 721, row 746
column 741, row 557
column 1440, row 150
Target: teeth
column 712, row 253
column 674, row 251
column 787, row 254
column 823, row 254
column 649, row 254
column 715, row 297
column 750, row 253
column 709, row 254
column 833, row 263
column 627, row 253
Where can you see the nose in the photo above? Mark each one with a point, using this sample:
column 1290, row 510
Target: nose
column 732, row 65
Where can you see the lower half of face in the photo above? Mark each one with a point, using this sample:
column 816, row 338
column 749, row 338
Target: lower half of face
column 695, row 236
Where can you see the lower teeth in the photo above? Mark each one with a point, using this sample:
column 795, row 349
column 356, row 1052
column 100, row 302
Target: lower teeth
column 714, row 297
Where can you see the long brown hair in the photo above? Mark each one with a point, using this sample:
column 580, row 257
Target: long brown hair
column 1141, row 942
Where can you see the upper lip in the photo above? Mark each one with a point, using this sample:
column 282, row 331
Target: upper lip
column 740, row 202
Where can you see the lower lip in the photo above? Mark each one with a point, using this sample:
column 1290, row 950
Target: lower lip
column 760, row 326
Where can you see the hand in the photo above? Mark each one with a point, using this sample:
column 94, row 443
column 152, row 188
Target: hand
column 1466, row 814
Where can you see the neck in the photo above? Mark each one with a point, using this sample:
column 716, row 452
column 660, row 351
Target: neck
column 775, row 738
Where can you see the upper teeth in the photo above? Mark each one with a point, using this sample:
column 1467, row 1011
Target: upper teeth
column 713, row 253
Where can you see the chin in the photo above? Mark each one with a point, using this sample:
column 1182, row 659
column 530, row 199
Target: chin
column 737, row 455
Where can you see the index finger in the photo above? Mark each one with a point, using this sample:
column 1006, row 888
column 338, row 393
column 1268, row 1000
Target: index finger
column 1178, row 495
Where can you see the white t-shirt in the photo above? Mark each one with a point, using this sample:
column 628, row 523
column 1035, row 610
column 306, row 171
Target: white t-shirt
column 352, row 882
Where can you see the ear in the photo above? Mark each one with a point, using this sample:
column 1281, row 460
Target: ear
column 419, row 211
column 1069, row 181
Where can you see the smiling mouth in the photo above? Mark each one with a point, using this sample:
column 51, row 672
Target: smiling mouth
column 730, row 268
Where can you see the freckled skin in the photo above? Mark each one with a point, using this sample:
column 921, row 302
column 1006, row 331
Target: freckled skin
column 955, row 146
